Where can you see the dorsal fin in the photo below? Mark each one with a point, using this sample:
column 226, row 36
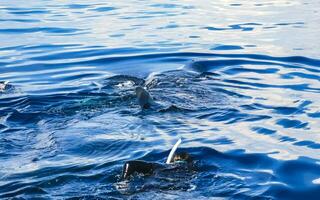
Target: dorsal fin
column 143, row 97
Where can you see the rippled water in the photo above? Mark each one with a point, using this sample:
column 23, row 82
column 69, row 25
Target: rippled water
column 238, row 81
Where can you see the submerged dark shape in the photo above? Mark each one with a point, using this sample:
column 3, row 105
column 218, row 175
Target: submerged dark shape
column 143, row 97
column 182, row 159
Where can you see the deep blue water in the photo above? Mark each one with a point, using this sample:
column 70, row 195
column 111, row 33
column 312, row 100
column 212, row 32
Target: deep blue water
column 238, row 81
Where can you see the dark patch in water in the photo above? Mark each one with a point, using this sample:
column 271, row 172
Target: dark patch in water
column 227, row 47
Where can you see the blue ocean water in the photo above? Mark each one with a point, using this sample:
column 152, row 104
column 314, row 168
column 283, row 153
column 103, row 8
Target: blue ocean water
column 239, row 82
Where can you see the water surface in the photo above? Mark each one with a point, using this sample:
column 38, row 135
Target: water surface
column 238, row 81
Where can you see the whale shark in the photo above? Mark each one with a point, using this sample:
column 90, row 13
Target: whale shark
column 149, row 168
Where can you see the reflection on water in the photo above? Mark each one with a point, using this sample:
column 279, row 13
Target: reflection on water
column 238, row 81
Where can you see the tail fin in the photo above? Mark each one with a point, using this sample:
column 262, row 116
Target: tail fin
column 173, row 150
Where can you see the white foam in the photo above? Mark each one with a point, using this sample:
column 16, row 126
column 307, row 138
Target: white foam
column 316, row 181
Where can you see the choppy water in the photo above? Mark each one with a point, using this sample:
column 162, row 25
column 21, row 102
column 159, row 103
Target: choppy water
column 238, row 81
